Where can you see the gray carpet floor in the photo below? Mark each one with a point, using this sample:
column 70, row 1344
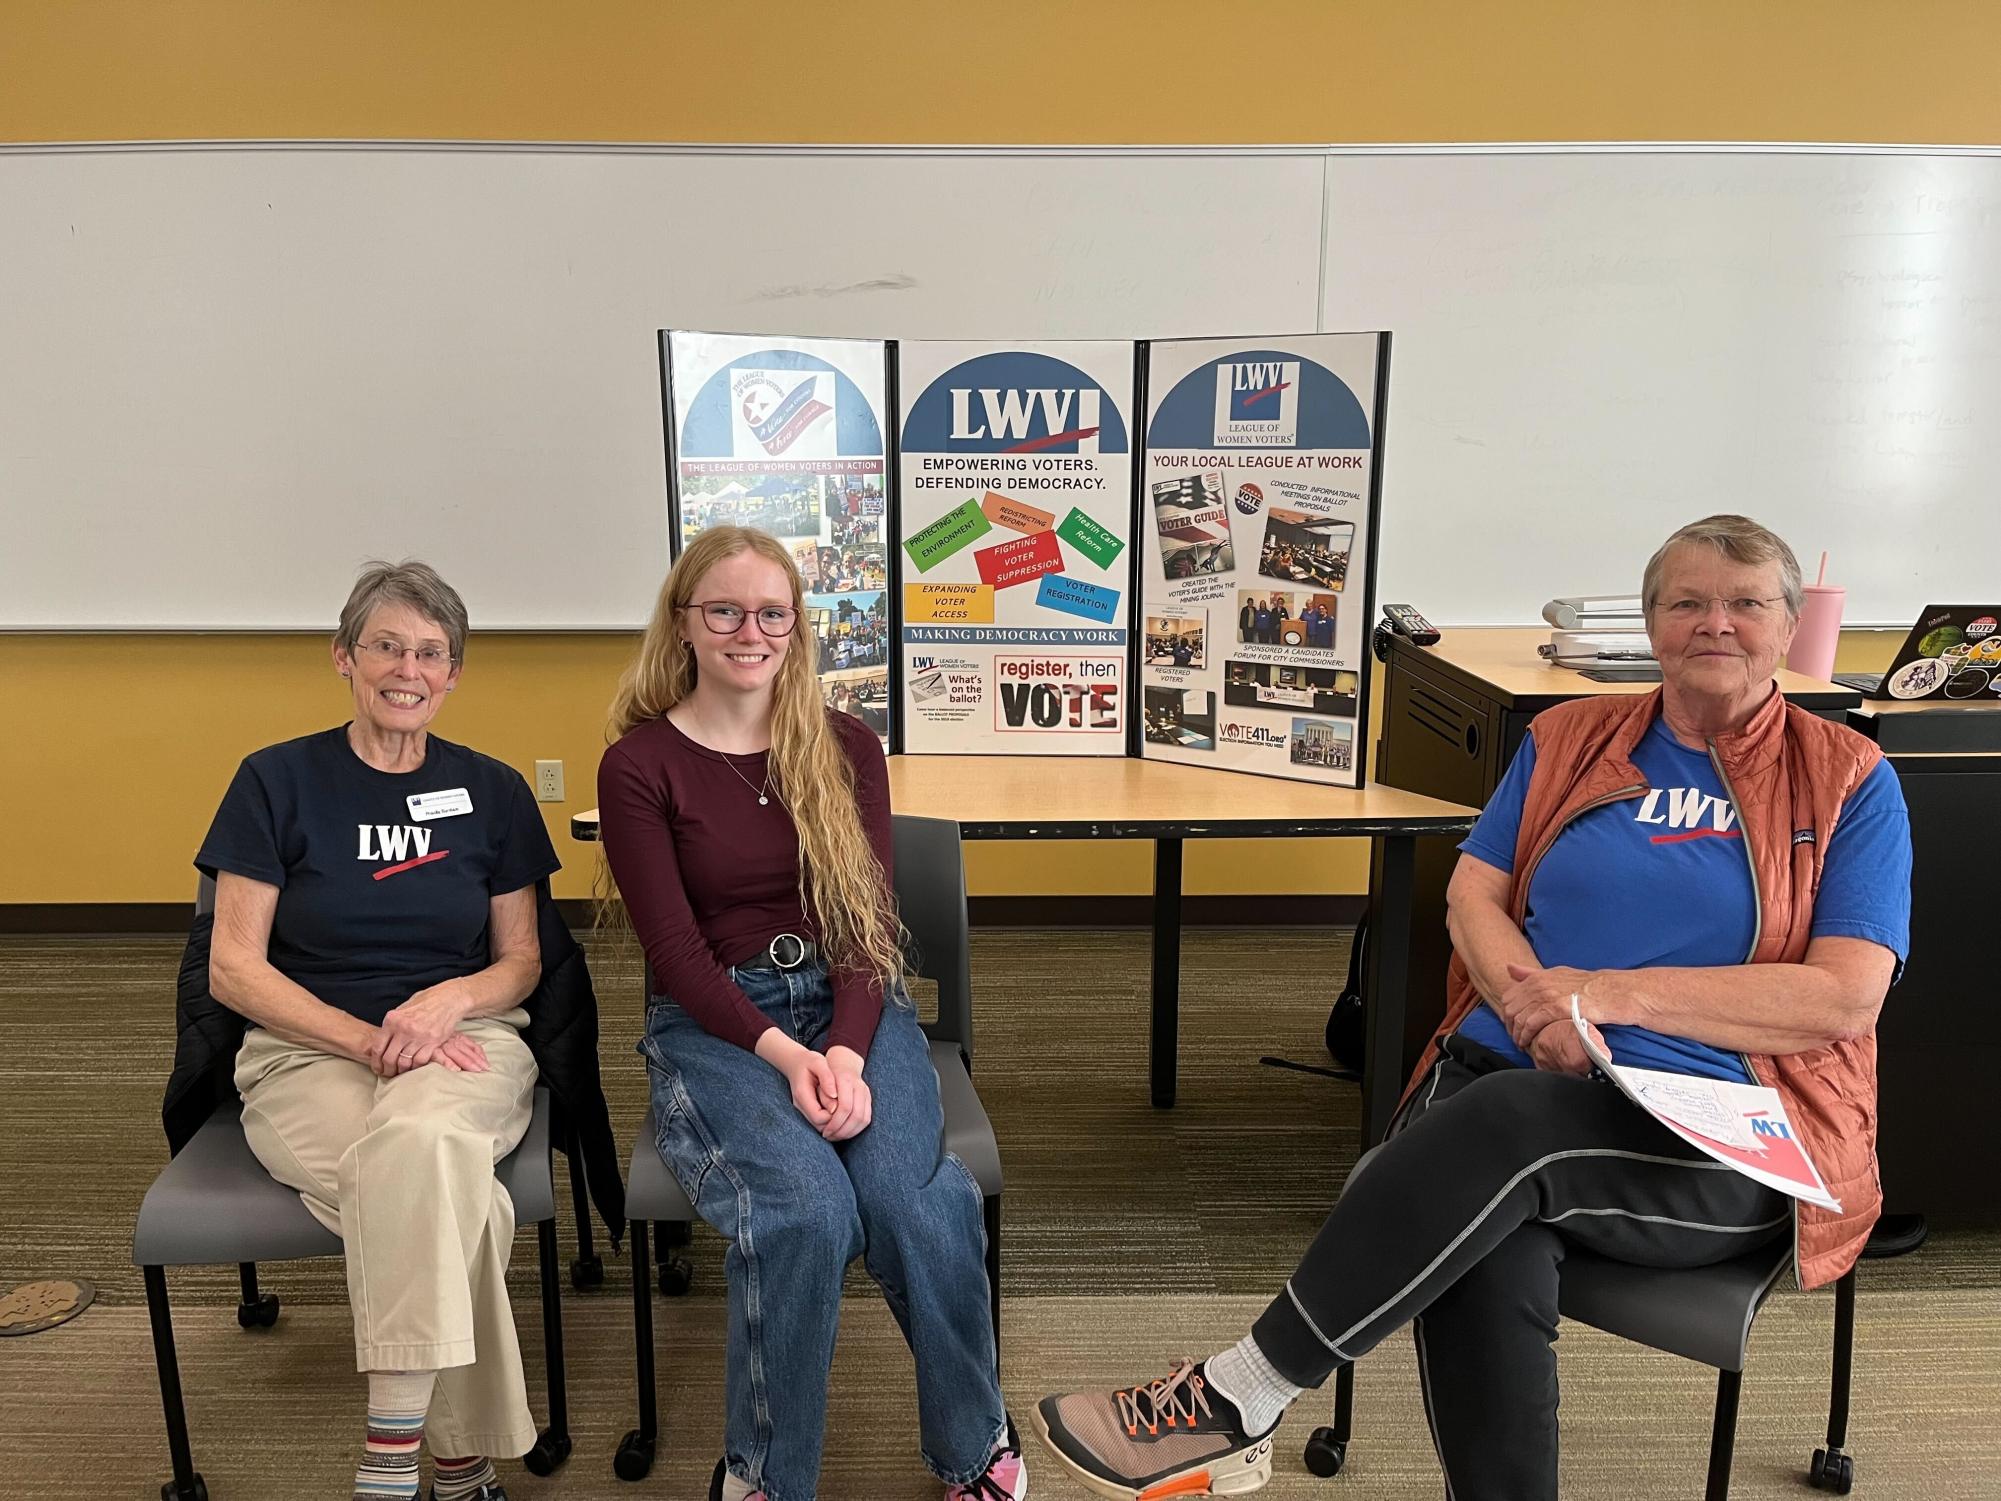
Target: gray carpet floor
column 1132, row 1236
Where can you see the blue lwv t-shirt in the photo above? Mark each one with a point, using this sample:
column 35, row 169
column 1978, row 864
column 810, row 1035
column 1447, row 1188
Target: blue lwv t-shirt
column 1665, row 879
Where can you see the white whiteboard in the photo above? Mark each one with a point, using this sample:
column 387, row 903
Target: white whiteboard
column 228, row 375
column 1591, row 349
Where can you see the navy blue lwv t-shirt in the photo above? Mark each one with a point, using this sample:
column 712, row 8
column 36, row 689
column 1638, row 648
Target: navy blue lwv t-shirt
column 1665, row 879
column 383, row 884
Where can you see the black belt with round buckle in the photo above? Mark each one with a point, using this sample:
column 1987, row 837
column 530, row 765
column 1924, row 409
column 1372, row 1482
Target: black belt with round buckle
column 786, row 951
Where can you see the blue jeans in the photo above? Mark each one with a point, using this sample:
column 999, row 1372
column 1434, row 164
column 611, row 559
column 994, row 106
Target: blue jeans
column 796, row 1209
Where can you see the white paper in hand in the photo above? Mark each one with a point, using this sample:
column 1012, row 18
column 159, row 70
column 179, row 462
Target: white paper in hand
column 1743, row 1126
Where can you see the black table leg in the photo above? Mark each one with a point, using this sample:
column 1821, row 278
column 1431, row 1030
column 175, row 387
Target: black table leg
column 1166, row 967
column 1385, row 985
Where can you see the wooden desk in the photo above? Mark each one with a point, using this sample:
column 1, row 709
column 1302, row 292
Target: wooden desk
column 1500, row 663
column 1022, row 797
column 1454, row 715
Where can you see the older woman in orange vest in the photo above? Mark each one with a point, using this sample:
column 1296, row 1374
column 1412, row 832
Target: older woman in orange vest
column 1719, row 883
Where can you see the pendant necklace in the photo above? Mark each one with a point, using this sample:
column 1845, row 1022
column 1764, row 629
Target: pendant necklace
column 762, row 799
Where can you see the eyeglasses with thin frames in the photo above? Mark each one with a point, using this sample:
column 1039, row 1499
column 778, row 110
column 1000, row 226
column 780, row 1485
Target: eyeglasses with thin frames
column 725, row 617
column 1744, row 608
column 430, row 658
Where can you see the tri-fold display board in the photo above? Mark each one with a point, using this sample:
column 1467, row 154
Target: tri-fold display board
column 1082, row 548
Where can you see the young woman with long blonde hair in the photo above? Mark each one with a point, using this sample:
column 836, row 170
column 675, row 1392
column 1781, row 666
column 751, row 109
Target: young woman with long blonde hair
column 748, row 829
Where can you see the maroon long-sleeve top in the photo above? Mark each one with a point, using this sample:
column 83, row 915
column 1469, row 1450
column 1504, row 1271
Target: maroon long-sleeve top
column 710, row 877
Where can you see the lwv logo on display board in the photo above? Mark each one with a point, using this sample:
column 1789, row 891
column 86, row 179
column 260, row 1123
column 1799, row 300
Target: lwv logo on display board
column 1257, row 403
column 1014, row 401
column 1023, row 421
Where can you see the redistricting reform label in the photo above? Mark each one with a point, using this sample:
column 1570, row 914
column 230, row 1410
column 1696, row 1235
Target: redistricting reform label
column 1016, row 501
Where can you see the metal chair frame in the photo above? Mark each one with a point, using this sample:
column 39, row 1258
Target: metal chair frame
column 221, row 1137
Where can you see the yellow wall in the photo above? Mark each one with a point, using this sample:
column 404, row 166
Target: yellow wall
column 121, row 745
column 128, row 742
column 1020, row 70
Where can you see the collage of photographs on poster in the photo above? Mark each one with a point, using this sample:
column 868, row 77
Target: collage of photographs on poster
column 1256, row 608
column 1014, row 519
column 786, row 435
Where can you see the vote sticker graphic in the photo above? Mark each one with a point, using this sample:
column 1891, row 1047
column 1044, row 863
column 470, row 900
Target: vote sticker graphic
column 783, row 406
column 1015, row 401
column 1260, row 398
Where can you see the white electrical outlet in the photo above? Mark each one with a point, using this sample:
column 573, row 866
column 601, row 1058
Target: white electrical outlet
column 548, row 781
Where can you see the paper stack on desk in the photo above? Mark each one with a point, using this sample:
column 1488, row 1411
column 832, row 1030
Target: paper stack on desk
column 1741, row 1125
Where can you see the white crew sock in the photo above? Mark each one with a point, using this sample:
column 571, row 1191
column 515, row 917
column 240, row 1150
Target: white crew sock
column 1242, row 1374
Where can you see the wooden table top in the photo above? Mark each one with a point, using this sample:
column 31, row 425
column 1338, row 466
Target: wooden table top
column 1504, row 660
column 1870, row 708
column 1086, row 797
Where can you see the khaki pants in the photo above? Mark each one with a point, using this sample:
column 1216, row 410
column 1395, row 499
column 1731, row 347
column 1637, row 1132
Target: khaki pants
column 402, row 1170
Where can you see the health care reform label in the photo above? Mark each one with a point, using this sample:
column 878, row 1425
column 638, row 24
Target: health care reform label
column 1016, row 491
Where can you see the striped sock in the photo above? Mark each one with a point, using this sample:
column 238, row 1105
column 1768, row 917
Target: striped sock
column 461, row 1479
column 397, row 1402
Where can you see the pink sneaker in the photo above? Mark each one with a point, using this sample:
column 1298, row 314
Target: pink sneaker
column 1005, row 1478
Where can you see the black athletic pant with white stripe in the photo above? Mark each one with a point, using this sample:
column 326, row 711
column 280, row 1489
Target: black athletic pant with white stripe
column 1461, row 1222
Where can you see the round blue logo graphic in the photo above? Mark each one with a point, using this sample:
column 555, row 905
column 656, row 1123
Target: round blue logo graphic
column 767, row 387
column 1013, row 401
column 1260, row 398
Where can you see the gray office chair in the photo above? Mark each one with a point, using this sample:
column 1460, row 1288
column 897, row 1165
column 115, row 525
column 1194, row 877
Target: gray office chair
column 1700, row 1313
column 931, row 895
column 214, row 1204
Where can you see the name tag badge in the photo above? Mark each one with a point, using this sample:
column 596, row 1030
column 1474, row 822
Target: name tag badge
column 450, row 803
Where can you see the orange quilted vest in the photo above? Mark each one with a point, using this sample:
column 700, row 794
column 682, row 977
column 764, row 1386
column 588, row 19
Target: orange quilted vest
column 1787, row 772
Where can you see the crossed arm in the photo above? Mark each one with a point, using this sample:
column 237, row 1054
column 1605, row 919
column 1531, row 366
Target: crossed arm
column 1834, row 993
column 424, row 1029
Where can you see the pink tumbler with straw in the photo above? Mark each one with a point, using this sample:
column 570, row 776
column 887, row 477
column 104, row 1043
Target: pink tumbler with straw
column 1819, row 633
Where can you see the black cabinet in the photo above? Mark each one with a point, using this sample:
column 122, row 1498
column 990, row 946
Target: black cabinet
column 1938, row 1051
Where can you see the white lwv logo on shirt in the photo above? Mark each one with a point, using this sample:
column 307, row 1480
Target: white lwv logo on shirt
column 1687, row 808
column 389, row 841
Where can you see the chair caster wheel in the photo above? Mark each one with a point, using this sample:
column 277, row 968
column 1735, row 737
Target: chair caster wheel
column 1832, row 1472
column 676, row 1276
column 550, row 1450
column 587, row 1272
column 196, row 1492
column 1325, row 1454
column 634, row 1458
column 261, row 1314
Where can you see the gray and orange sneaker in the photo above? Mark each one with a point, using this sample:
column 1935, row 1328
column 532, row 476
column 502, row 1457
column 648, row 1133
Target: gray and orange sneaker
column 1177, row 1436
